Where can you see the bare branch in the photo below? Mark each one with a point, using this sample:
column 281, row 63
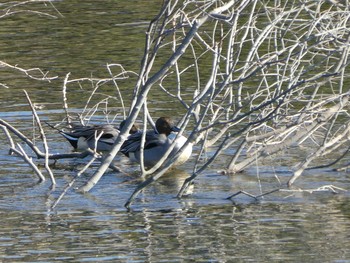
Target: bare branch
column 43, row 137
column 29, row 160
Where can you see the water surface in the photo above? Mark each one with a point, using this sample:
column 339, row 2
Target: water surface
column 94, row 227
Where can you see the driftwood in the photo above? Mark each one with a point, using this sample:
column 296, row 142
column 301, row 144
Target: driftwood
column 325, row 188
column 266, row 79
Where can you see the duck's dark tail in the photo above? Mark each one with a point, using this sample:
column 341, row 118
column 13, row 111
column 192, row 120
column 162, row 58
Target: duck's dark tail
column 69, row 137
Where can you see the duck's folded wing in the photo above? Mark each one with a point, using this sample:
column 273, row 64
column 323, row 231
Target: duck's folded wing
column 109, row 133
column 133, row 143
column 82, row 131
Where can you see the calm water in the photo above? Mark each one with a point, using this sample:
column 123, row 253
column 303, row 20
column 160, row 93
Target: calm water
column 93, row 227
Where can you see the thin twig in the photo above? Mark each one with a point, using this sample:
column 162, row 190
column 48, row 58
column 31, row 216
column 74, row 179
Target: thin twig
column 70, row 184
column 29, row 160
column 43, row 137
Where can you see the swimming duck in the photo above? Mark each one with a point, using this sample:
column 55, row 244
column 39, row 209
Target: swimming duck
column 83, row 137
column 157, row 143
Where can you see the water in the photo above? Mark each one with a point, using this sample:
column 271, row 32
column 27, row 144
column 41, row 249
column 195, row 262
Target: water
column 95, row 227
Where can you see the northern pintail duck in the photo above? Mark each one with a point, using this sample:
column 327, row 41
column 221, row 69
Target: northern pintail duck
column 83, row 137
column 157, row 143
